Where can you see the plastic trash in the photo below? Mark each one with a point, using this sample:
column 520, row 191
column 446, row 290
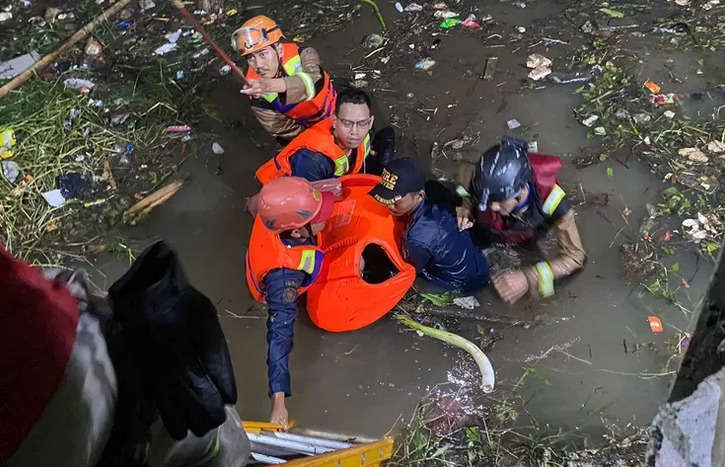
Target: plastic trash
column 425, row 64
column 225, row 70
column 539, row 73
column 7, row 141
column 445, row 14
column 470, row 23
column 78, row 84
column 74, row 185
column 537, row 60
column 54, row 198
column 166, row 48
column 653, row 88
column 655, row 324
column 450, row 23
column 173, row 37
column 373, row 41
column 12, row 68
column 217, row 149
column 178, row 129
column 590, row 121
column 124, row 25
column 413, row 7
column 469, row 303
column 534, row 146
column 663, row 99
column 399, row 7
column 693, row 154
column 513, row 124
column 5, row 15
column 11, row 171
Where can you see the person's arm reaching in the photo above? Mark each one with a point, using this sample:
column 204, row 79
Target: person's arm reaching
column 570, row 258
column 464, row 212
column 418, row 256
column 281, row 286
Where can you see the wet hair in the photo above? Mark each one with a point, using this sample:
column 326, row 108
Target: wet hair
column 352, row 96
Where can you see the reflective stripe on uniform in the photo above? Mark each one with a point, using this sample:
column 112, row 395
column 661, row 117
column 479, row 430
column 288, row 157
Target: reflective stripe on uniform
column 546, row 279
column 293, row 66
column 462, row 191
column 553, row 200
column 309, row 85
column 342, row 165
column 212, row 451
column 270, row 97
column 368, row 146
column 307, row 263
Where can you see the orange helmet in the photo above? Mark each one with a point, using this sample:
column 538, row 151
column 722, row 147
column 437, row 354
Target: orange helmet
column 288, row 203
column 256, row 34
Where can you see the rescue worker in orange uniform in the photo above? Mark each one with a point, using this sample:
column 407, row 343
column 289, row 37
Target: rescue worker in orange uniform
column 335, row 147
column 283, row 260
column 514, row 196
column 288, row 88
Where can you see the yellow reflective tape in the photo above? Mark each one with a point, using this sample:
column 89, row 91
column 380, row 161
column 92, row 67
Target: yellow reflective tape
column 293, row 66
column 553, row 200
column 462, row 191
column 546, row 279
column 342, row 165
column 270, row 97
column 309, row 85
column 307, row 263
column 368, row 146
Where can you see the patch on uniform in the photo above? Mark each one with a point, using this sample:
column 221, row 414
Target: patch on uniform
column 289, row 295
column 294, row 284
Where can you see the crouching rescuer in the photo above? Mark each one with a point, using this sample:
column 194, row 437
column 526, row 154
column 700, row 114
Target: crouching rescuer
column 283, row 260
column 513, row 197
column 441, row 253
column 288, row 89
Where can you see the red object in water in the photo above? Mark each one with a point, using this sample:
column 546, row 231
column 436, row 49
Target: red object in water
column 183, row 149
column 648, row 238
column 668, row 236
column 655, row 324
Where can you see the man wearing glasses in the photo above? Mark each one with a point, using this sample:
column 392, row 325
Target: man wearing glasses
column 340, row 145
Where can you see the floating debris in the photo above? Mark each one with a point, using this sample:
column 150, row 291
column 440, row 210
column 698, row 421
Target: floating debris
column 693, row 154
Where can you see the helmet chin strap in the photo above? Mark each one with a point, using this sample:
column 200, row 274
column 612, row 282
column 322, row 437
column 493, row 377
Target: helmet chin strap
column 523, row 203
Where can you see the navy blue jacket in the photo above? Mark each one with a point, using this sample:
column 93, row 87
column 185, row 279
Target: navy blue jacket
column 281, row 292
column 442, row 254
column 314, row 166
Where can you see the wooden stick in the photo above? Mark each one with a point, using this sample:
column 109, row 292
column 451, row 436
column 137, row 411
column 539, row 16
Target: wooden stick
column 162, row 194
column 82, row 33
column 200, row 29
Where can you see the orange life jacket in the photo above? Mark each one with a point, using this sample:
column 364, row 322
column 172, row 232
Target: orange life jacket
column 267, row 252
column 320, row 139
column 550, row 194
column 341, row 300
column 308, row 112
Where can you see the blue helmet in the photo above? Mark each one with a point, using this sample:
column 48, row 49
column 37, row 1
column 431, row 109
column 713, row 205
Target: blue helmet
column 503, row 171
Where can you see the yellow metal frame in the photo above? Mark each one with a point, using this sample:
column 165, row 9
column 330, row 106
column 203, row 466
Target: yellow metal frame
column 370, row 455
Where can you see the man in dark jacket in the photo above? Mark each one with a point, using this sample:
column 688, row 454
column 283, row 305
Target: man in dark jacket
column 443, row 255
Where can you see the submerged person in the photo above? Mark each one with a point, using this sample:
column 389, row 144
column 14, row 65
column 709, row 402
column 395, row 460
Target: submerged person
column 514, row 196
column 441, row 253
column 288, row 88
column 283, row 260
column 340, row 145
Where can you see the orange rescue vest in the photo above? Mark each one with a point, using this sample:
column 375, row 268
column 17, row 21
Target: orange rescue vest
column 320, row 139
column 341, row 300
column 308, row 112
column 267, row 252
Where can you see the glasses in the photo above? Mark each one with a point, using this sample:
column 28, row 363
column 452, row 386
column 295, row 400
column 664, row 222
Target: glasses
column 361, row 125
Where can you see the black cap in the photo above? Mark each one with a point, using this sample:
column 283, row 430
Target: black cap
column 400, row 177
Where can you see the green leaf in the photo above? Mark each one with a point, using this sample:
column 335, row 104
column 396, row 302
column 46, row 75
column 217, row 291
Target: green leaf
column 602, row 157
column 610, row 172
column 612, row 13
column 675, row 268
column 655, row 287
column 532, row 371
column 671, row 191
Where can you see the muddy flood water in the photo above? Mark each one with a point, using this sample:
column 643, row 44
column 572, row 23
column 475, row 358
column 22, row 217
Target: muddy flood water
column 592, row 360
